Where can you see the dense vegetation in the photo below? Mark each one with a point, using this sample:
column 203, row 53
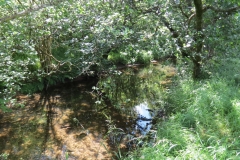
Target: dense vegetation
column 47, row 42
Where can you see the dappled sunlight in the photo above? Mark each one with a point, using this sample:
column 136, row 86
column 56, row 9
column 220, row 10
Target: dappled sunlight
column 77, row 120
column 44, row 128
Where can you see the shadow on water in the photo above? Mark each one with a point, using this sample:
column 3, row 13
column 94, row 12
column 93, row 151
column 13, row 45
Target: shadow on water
column 58, row 123
column 79, row 121
column 138, row 95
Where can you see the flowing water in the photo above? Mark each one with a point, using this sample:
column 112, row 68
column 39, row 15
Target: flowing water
column 85, row 120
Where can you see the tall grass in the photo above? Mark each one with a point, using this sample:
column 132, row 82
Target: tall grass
column 204, row 123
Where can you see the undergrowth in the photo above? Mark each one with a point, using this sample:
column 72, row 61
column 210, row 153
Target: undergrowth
column 204, row 122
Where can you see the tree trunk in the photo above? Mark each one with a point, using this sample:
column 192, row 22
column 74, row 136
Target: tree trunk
column 196, row 58
column 43, row 48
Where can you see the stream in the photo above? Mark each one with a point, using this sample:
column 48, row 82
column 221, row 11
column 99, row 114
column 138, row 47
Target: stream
column 85, row 120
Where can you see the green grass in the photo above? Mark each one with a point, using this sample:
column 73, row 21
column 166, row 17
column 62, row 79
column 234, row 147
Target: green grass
column 204, row 119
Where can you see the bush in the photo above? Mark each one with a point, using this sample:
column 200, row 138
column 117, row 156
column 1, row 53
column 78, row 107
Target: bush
column 118, row 58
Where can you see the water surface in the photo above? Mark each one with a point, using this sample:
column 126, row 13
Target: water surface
column 84, row 120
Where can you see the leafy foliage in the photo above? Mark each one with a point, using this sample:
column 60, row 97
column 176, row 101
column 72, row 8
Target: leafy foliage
column 43, row 43
column 46, row 41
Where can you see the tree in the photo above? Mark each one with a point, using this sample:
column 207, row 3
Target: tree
column 48, row 41
column 199, row 37
column 189, row 36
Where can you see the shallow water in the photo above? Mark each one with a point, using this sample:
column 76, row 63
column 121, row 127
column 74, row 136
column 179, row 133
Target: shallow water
column 144, row 120
column 84, row 120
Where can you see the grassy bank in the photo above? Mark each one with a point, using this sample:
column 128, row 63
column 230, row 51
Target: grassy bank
column 205, row 118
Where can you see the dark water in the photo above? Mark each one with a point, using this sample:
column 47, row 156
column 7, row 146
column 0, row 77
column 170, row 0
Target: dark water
column 85, row 120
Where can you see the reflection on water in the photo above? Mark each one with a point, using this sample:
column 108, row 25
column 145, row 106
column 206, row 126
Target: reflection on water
column 144, row 119
column 62, row 122
column 70, row 120
column 138, row 94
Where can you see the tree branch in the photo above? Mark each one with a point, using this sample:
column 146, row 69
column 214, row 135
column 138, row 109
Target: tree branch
column 23, row 13
column 183, row 13
column 227, row 10
column 175, row 34
column 190, row 18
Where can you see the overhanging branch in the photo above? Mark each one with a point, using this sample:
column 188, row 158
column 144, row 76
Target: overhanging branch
column 183, row 13
column 29, row 10
column 227, row 10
